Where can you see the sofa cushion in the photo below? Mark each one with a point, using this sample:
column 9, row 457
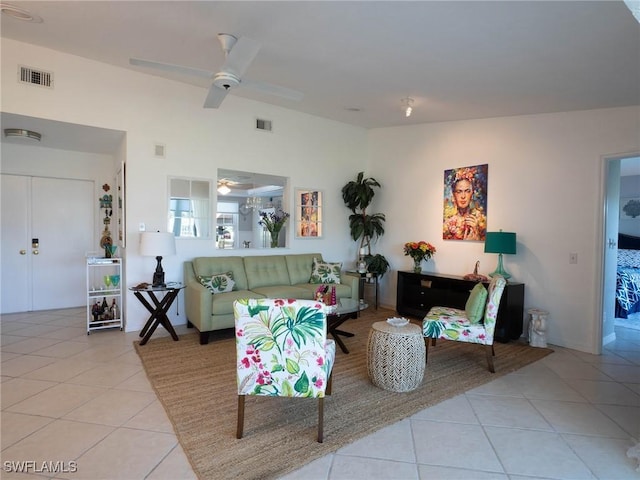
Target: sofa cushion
column 214, row 265
column 343, row 290
column 219, row 283
column 324, row 272
column 266, row 271
column 300, row 266
column 222, row 303
column 284, row 291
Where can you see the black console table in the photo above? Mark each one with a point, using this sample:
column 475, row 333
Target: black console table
column 418, row 292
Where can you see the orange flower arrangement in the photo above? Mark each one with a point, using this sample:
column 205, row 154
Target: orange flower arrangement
column 419, row 250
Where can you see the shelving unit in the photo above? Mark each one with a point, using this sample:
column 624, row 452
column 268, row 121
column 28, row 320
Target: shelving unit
column 101, row 291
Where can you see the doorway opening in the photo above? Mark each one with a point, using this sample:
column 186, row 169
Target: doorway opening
column 621, row 237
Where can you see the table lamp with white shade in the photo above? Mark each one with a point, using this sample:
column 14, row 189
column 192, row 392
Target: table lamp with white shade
column 157, row 244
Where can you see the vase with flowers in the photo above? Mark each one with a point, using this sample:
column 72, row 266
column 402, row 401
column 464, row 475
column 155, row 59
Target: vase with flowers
column 419, row 251
column 273, row 223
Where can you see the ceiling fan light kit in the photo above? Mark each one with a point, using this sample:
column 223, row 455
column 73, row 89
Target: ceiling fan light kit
column 225, row 80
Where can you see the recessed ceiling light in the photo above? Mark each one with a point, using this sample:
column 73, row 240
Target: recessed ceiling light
column 19, row 13
column 20, row 132
column 407, row 106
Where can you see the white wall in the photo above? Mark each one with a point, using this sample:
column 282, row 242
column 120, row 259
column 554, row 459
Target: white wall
column 312, row 152
column 545, row 184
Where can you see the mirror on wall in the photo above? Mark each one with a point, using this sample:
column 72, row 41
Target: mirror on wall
column 189, row 207
column 241, row 196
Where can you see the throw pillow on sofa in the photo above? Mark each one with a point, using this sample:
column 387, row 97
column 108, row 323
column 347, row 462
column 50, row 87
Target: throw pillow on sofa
column 325, row 272
column 219, row 283
column 476, row 302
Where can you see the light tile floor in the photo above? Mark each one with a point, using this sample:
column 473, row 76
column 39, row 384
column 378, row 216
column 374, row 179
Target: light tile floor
column 69, row 397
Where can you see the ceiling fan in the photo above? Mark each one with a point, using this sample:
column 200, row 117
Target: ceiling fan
column 239, row 53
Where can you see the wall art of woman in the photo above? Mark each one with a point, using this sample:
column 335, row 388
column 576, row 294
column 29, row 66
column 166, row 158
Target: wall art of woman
column 465, row 203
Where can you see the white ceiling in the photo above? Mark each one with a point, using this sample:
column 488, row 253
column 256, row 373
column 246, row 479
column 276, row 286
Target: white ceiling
column 458, row 60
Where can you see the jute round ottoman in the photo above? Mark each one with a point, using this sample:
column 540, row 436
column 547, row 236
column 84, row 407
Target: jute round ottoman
column 396, row 356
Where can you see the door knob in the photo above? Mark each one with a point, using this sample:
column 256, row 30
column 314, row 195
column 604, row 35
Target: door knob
column 35, row 252
column 23, row 252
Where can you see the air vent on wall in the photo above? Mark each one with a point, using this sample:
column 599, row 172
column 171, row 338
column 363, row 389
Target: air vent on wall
column 263, row 124
column 33, row 76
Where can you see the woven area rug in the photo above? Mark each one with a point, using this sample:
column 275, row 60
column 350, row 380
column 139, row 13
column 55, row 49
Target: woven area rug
column 197, row 386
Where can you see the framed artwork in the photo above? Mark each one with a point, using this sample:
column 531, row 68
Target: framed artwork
column 119, row 194
column 308, row 213
column 629, row 208
column 465, row 203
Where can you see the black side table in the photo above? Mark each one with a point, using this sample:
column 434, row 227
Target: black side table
column 159, row 308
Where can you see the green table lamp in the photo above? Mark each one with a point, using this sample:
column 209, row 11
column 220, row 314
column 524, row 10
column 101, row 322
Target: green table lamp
column 500, row 242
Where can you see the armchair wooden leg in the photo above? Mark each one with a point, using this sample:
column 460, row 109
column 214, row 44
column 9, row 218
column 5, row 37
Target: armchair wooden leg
column 329, row 384
column 240, row 427
column 426, row 351
column 320, row 419
column 490, row 354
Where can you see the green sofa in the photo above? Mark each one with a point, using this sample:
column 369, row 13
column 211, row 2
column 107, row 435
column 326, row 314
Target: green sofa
column 271, row 276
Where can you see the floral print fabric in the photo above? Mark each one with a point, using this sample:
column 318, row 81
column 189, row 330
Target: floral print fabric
column 282, row 347
column 220, row 283
column 453, row 324
column 325, row 272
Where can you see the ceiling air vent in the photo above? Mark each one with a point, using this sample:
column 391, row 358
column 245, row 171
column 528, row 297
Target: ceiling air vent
column 35, row 77
column 263, row 124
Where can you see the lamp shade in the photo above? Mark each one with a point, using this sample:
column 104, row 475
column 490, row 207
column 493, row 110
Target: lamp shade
column 154, row 244
column 500, row 242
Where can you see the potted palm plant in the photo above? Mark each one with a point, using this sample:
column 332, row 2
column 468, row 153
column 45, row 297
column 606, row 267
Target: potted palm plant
column 365, row 227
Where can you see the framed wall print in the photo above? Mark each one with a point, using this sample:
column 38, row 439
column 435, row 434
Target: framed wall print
column 465, row 203
column 308, row 213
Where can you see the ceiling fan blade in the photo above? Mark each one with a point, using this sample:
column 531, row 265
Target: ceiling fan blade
column 240, row 56
column 215, row 97
column 168, row 67
column 271, row 89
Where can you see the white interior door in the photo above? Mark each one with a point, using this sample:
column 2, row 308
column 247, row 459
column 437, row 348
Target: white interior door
column 15, row 245
column 60, row 221
column 610, row 256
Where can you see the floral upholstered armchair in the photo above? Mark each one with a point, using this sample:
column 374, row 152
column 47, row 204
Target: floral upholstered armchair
column 282, row 351
column 475, row 324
